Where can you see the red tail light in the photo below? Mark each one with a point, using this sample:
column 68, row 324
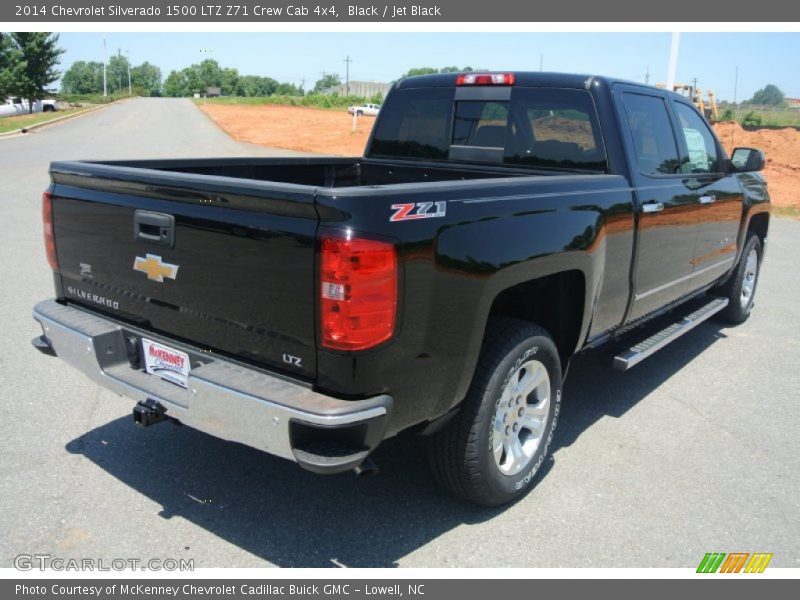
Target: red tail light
column 358, row 291
column 485, row 79
column 49, row 235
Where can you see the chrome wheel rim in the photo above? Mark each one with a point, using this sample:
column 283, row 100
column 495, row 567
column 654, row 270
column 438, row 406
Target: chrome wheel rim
column 520, row 417
column 749, row 281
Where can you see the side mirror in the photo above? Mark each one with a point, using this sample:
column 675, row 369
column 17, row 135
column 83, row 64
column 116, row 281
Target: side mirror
column 745, row 160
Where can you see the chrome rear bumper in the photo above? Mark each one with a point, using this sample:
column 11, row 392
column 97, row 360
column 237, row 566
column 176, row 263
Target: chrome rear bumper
column 223, row 398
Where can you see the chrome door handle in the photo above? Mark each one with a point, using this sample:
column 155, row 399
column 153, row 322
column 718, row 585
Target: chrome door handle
column 707, row 199
column 652, row 207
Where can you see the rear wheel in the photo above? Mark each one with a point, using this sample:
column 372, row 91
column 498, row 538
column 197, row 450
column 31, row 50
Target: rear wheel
column 740, row 289
column 491, row 451
column 359, row 113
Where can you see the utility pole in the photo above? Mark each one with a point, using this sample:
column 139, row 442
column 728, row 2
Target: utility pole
column 119, row 75
column 647, row 76
column 105, row 85
column 347, row 61
column 673, row 60
column 128, row 57
column 735, row 93
column 303, row 85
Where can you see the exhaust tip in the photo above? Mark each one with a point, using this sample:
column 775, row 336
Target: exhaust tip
column 367, row 468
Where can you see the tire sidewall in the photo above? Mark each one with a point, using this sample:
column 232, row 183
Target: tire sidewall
column 542, row 349
column 741, row 313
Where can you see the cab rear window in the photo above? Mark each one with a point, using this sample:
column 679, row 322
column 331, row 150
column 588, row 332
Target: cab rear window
column 537, row 127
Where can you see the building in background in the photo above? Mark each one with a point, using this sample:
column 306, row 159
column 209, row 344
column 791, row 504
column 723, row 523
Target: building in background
column 793, row 102
column 363, row 89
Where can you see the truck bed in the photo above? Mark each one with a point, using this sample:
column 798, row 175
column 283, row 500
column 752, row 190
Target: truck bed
column 245, row 239
column 326, row 172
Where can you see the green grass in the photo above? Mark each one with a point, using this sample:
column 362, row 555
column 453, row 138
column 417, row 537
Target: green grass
column 780, row 118
column 312, row 100
column 786, row 211
column 83, row 99
column 12, row 123
column 768, row 118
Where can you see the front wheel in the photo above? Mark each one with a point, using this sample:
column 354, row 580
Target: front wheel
column 740, row 289
column 491, row 451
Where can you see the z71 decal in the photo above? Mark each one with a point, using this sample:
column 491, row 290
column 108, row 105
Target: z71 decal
column 420, row 210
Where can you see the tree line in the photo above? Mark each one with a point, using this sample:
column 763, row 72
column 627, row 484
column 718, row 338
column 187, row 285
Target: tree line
column 197, row 78
column 86, row 77
column 28, row 62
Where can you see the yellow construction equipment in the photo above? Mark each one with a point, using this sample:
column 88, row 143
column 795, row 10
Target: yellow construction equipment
column 707, row 108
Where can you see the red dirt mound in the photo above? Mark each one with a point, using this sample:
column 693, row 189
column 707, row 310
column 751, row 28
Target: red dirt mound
column 782, row 148
column 331, row 132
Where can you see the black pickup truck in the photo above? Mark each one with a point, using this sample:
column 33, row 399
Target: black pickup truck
column 497, row 224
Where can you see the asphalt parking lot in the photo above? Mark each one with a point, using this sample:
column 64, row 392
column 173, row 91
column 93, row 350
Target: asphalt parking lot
column 695, row 450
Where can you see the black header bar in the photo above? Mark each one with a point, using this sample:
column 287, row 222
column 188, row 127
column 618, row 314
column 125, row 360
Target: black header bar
column 437, row 11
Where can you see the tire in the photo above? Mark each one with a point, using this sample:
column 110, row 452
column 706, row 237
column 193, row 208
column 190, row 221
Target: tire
column 48, row 108
column 462, row 455
column 359, row 113
column 740, row 289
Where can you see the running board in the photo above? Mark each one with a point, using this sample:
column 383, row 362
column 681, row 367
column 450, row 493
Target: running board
column 651, row 345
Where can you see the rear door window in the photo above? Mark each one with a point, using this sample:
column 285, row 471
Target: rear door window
column 653, row 136
column 555, row 128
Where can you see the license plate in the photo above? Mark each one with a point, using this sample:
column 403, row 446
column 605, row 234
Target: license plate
column 165, row 362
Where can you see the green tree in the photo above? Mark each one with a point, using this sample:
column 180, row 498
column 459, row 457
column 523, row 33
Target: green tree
column 328, row 80
column 230, row 80
column 9, row 64
column 433, row 71
column 419, row 71
column 83, row 78
column 147, row 77
column 208, row 74
column 39, row 55
column 117, row 74
column 288, row 89
column 175, row 85
column 770, row 95
column 254, row 85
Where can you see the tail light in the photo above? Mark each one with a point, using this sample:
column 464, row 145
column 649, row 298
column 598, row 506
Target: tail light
column 485, row 79
column 358, row 290
column 49, row 234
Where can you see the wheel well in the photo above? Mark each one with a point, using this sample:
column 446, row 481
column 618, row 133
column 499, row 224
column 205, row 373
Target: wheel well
column 759, row 224
column 555, row 302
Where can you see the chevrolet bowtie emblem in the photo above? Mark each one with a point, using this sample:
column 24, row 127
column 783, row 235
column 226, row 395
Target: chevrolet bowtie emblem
column 154, row 267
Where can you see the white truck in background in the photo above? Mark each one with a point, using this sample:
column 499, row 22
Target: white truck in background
column 17, row 106
column 371, row 110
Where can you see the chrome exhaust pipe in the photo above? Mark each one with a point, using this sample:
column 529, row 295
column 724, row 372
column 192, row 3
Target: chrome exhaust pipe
column 366, row 468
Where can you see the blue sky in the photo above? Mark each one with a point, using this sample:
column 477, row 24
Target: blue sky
column 762, row 58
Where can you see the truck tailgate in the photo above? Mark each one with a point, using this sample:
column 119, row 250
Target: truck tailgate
column 238, row 277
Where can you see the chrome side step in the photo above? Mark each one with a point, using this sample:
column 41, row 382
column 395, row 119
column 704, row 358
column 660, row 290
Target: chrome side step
column 654, row 343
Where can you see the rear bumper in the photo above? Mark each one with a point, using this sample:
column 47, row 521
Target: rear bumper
column 223, row 398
